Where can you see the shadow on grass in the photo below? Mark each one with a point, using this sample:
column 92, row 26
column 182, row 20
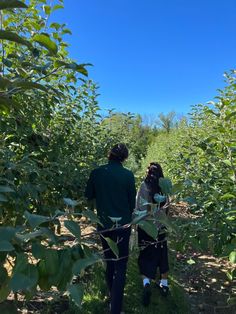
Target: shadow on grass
column 174, row 303
column 95, row 292
column 94, row 301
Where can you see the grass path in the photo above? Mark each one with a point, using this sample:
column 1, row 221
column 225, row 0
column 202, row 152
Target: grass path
column 94, row 299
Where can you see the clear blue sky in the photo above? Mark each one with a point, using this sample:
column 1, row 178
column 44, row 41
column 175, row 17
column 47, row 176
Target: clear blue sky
column 153, row 56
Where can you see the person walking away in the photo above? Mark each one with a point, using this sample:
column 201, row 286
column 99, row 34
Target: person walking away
column 153, row 252
column 113, row 188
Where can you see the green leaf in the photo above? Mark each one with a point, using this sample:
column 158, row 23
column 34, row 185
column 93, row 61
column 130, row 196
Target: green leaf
column 83, row 263
column 231, row 300
column 166, row 186
column 47, row 9
column 66, row 31
column 3, row 275
column 230, row 115
column 20, row 263
column 89, row 214
column 232, row 257
column 29, row 85
column 149, row 228
column 76, row 293
column 4, row 83
column 113, row 246
column 227, row 162
column 7, row 35
column 6, row 246
column 227, row 196
column 35, row 220
column 56, row 26
column 159, row 198
column 191, row 261
column 46, row 42
column 3, row 198
column 57, row 7
column 70, row 202
column 162, row 218
column 64, row 274
column 38, row 250
column 6, row 189
column 229, row 275
column 73, row 66
column 52, row 261
column 7, row 233
column 74, row 228
column 29, row 236
column 12, row 4
column 139, row 216
column 4, row 292
column 24, row 281
column 6, row 103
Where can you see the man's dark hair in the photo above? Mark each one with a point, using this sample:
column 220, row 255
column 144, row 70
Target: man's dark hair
column 119, row 152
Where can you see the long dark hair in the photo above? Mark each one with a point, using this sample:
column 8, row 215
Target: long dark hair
column 154, row 173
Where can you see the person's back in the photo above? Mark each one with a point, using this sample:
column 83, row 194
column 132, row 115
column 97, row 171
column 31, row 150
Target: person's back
column 113, row 187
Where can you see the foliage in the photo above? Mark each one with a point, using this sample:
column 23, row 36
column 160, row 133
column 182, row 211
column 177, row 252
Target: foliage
column 200, row 158
column 51, row 136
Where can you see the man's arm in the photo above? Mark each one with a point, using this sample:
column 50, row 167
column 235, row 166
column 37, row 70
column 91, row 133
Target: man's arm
column 131, row 192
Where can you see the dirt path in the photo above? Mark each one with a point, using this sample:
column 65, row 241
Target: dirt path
column 203, row 285
column 204, row 280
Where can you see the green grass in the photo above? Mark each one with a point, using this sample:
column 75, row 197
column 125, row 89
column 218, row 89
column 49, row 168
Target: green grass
column 95, row 293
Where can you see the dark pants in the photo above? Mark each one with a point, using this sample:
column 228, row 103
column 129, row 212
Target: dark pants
column 116, row 270
column 152, row 255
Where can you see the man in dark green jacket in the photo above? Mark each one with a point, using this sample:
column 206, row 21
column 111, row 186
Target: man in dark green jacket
column 113, row 188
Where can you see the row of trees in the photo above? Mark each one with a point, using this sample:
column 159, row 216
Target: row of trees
column 200, row 158
column 51, row 135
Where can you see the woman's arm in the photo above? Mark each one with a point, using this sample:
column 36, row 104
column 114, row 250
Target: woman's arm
column 142, row 197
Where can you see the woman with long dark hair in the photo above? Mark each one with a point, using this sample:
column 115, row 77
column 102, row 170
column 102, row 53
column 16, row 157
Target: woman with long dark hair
column 153, row 252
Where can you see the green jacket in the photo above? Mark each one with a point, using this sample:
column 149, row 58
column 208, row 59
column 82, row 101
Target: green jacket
column 113, row 188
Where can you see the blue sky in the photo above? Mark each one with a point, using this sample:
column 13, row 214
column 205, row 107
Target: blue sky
column 153, row 56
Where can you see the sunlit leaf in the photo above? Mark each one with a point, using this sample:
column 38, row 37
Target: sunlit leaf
column 47, row 9
column 232, row 257
column 191, row 261
column 46, row 42
column 73, row 66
